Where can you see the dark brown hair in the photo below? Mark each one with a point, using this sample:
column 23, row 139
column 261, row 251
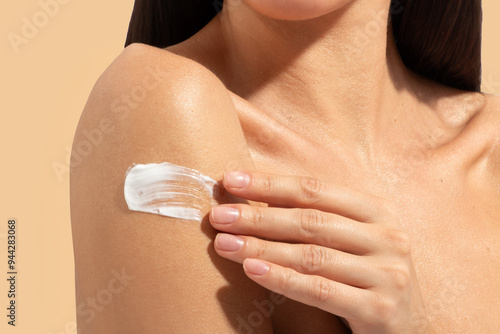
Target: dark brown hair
column 439, row 39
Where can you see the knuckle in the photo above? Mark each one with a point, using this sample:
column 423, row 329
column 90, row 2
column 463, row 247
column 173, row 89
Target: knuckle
column 257, row 218
column 312, row 222
column 285, row 281
column 387, row 211
column 259, row 249
column 386, row 208
column 399, row 241
column 399, row 276
column 384, row 310
column 267, row 184
column 323, row 291
column 310, row 189
column 314, row 258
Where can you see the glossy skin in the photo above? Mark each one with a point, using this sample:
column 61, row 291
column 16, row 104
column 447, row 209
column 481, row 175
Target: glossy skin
column 286, row 99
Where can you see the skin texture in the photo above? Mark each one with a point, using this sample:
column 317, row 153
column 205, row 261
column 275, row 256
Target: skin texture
column 288, row 98
column 177, row 277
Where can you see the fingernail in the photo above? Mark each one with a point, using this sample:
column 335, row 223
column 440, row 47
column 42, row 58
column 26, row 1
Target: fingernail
column 236, row 180
column 255, row 267
column 228, row 242
column 225, row 215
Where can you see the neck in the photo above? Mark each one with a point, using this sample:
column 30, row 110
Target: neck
column 339, row 70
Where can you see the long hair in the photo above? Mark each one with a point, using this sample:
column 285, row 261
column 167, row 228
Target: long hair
column 440, row 40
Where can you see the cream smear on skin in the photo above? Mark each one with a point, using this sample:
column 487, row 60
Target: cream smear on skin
column 169, row 190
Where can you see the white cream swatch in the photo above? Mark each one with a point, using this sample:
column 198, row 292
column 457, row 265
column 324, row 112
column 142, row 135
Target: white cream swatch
column 169, row 190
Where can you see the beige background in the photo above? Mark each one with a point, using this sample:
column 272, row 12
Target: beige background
column 44, row 88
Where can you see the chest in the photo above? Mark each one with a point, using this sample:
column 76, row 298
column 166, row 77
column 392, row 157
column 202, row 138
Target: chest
column 455, row 231
column 456, row 252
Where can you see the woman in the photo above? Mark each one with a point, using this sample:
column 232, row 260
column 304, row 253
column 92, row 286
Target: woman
column 363, row 171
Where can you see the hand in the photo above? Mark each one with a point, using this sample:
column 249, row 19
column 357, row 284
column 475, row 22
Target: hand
column 325, row 246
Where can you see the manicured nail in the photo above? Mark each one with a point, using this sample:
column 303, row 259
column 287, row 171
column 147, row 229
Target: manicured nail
column 228, row 242
column 255, row 267
column 236, row 180
column 225, row 214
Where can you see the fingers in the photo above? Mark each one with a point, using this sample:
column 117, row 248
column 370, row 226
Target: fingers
column 320, row 250
column 304, row 192
column 295, row 225
column 342, row 300
column 307, row 259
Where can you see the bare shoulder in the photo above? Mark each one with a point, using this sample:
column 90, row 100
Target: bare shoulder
column 139, row 272
column 151, row 96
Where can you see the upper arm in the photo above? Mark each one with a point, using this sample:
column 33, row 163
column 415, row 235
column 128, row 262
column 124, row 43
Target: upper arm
column 139, row 272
